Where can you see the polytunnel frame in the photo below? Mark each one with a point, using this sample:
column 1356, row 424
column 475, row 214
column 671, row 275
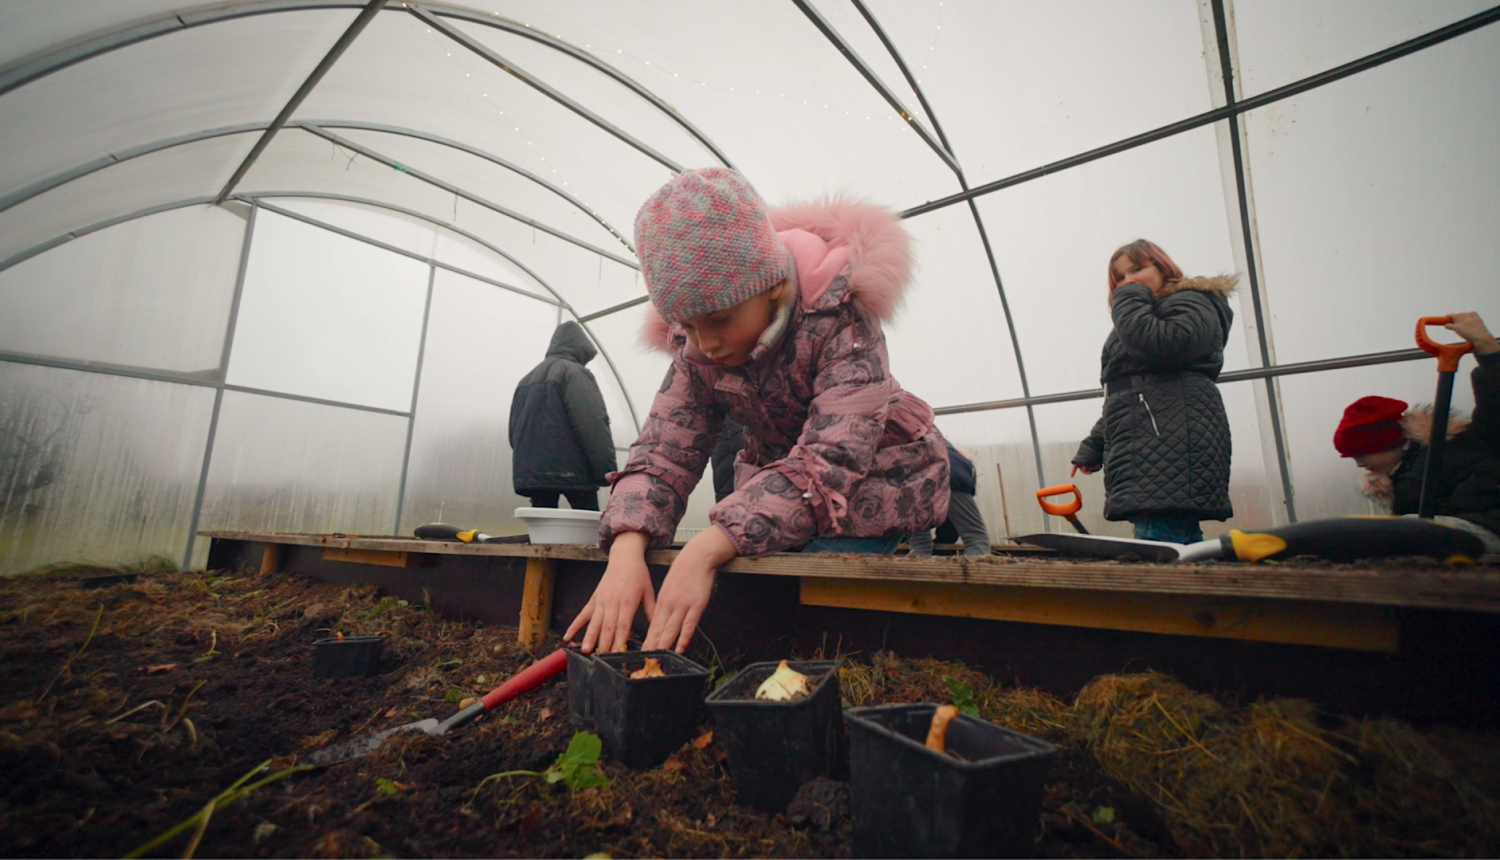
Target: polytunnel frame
column 36, row 66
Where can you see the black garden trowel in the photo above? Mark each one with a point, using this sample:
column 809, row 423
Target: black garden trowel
column 1338, row 539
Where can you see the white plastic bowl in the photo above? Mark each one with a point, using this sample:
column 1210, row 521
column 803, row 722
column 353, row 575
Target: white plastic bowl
column 560, row 525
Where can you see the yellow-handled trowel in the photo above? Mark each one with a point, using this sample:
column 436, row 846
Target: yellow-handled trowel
column 1338, row 539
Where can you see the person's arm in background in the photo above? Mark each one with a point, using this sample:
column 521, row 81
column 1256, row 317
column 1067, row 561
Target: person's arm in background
column 1181, row 325
column 1485, row 378
column 1090, row 456
column 590, row 421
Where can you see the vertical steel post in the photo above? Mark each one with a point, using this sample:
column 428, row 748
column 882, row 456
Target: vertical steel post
column 213, row 421
column 416, row 388
column 1226, row 67
column 984, row 238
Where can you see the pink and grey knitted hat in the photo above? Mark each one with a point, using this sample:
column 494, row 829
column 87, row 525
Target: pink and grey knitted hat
column 706, row 243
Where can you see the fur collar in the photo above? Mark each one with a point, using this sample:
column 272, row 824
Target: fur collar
column 1222, row 285
column 826, row 237
column 1416, row 426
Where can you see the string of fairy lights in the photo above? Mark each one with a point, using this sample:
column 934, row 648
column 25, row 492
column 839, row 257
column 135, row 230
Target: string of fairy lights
column 476, row 83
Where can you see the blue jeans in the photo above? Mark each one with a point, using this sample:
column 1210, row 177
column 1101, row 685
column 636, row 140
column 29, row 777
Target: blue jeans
column 870, row 546
column 1168, row 529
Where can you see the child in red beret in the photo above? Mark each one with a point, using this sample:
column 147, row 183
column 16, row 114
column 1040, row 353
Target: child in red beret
column 1389, row 441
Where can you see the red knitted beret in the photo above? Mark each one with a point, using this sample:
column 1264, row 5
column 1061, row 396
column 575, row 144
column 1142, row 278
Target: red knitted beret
column 1370, row 425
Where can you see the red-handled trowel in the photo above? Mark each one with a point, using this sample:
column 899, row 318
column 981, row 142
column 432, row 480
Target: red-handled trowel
column 525, row 681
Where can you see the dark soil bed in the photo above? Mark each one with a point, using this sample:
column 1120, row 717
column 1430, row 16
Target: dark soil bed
column 127, row 703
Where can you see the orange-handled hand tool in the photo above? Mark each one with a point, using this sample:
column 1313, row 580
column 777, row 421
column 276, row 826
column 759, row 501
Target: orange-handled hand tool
column 1066, row 509
column 1448, row 355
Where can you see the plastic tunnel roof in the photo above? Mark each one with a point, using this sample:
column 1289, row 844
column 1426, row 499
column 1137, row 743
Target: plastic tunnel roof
column 1339, row 155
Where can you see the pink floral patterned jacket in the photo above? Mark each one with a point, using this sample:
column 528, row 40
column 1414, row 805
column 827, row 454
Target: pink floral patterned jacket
column 833, row 445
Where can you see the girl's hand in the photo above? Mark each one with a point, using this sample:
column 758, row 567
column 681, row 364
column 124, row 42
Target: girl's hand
column 1084, row 469
column 625, row 587
column 687, row 589
column 1470, row 327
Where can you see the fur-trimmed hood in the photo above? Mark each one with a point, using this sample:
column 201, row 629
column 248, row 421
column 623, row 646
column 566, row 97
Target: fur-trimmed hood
column 1222, row 285
column 824, row 238
column 1416, row 426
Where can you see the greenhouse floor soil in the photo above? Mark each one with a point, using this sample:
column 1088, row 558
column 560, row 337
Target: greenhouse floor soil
column 129, row 703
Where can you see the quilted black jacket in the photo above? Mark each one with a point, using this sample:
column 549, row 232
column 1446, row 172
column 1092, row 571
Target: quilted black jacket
column 1163, row 439
column 559, row 429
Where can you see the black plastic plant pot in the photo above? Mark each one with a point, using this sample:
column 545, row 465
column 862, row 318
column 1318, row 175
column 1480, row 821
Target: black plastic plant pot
column 580, row 689
column 643, row 721
column 911, row 801
column 349, row 657
column 775, row 747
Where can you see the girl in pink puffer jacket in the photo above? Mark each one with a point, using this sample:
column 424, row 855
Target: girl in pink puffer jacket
column 772, row 318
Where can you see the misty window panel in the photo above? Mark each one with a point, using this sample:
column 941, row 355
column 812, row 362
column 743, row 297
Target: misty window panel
column 1053, row 237
column 397, row 73
column 481, row 340
column 96, row 468
column 949, row 343
column 1281, row 41
column 192, row 172
column 383, row 225
column 154, row 292
column 224, row 74
column 1325, row 484
column 1020, row 85
column 290, row 466
column 1377, row 200
column 326, row 316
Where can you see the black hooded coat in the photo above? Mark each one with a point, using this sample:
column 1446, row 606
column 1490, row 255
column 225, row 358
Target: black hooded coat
column 1163, row 440
column 559, row 429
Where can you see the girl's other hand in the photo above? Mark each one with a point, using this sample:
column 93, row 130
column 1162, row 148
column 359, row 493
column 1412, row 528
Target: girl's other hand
column 1470, row 327
column 626, row 586
column 1084, row 469
column 687, row 589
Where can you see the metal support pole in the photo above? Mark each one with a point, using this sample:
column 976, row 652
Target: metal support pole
column 1247, row 235
column 540, row 86
column 984, row 238
column 416, row 387
column 470, row 196
column 944, row 151
column 213, row 421
column 360, row 22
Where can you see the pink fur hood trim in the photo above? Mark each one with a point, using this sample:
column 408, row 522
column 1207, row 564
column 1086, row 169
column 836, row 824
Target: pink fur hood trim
column 824, row 237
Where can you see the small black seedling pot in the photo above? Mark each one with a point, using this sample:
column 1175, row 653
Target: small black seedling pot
column 774, row 747
column 910, row 801
column 349, row 657
column 580, row 688
column 643, row 721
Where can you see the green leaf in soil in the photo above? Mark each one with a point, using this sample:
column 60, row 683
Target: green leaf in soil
column 962, row 695
column 1104, row 815
column 578, row 766
column 454, row 696
column 385, row 786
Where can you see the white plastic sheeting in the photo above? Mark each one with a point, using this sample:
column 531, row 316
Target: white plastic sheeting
column 481, row 341
column 1372, row 200
column 153, row 293
column 96, row 467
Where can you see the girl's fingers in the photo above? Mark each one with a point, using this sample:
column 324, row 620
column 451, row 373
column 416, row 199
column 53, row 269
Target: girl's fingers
column 648, row 601
column 689, row 627
column 666, row 637
column 622, row 626
column 581, row 620
column 606, row 628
